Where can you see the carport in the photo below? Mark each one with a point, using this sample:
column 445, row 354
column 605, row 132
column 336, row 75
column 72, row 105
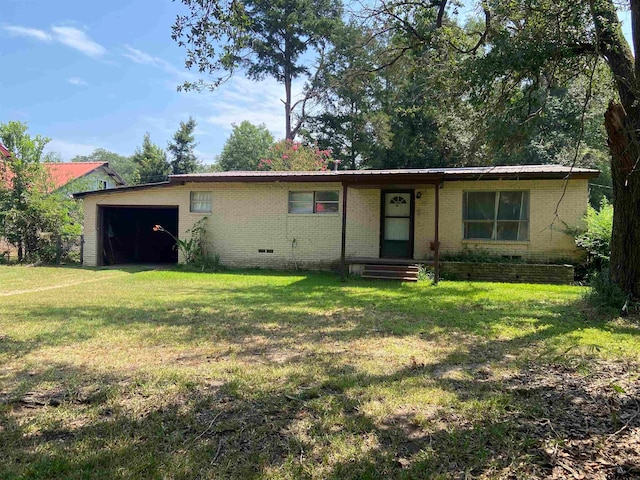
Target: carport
column 127, row 235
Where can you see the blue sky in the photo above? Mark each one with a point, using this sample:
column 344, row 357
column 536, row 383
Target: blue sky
column 93, row 74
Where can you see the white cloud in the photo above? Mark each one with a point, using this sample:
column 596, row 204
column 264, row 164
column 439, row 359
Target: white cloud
column 77, row 81
column 19, row 31
column 70, row 36
column 138, row 56
column 257, row 102
column 78, row 40
column 143, row 58
column 68, row 150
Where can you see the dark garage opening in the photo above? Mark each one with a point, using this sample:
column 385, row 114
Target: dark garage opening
column 128, row 236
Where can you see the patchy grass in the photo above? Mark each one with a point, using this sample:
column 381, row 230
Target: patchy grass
column 166, row 374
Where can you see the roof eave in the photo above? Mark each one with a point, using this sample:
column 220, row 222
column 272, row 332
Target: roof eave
column 106, row 191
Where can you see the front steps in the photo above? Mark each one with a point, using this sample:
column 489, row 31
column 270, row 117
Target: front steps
column 403, row 273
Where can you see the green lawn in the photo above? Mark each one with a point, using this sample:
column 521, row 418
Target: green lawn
column 166, row 374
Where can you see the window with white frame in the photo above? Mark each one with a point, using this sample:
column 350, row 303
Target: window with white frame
column 200, row 202
column 313, row 202
column 496, row 215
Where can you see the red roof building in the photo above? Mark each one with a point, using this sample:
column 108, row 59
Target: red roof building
column 99, row 175
column 4, row 152
column 61, row 174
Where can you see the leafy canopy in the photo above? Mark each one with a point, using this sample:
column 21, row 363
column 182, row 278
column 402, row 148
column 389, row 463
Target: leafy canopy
column 32, row 219
column 263, row 38
column 244, row 148
column 181, row 149
column 151, row 161
column 287, row 155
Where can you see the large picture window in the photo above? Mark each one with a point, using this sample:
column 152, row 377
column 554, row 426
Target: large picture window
column 200, row 202
column 496, row 215
column 313, row 202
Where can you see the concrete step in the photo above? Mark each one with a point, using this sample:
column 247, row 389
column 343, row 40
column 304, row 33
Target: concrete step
column 404, row 273
column 384, row 277
column 392, row 268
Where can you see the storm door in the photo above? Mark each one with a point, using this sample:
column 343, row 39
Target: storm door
column 397, row 225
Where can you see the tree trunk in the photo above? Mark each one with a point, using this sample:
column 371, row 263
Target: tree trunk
column 287, row 89
column 287, row 106
column 622, row 121
column 625, row 239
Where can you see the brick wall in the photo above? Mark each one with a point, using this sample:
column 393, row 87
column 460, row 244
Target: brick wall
column 248, row 217
column 363, row 223
column 548, row 239
column 508, row 272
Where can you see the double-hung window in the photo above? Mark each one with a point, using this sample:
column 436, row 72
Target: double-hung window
column 313, row 202
column 496, row 215
column 200, row 202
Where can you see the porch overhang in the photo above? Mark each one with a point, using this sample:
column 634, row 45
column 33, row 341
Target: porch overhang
column 377, row 178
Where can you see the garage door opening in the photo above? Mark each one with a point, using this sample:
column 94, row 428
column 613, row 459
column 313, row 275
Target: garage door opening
column 127, row 235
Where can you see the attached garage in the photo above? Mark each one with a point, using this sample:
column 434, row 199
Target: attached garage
column 127, row 235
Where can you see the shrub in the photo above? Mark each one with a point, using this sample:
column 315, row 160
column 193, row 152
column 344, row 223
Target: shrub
column 596, row 239
column 295, row 156
column 603, row 292
column 194, row 249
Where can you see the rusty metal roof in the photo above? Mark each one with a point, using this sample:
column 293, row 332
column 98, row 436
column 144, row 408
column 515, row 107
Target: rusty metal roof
column 416, row 175
column 379, row 177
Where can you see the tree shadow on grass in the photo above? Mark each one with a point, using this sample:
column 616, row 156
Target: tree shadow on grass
column 318, row 422
column 538, row 422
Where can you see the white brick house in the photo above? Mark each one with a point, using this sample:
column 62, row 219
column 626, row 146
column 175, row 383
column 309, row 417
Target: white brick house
column 323, row 219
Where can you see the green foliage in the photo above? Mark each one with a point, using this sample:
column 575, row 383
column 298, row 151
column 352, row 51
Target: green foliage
column 478, row 255
column 265, row 38
column 425, row 274
column 600, row 188
column 596, row 240
column 405, row 91
column 126, row 167
column 245, row 147
column 39, row 224
column 181, row 149
column 195, row 250
column 352, row 123
column 151, row 161
column 287, row 155
column 604, row 293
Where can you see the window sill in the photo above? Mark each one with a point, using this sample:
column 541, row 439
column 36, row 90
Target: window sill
column 332, row 214
column 496, row 242
column 200, row 213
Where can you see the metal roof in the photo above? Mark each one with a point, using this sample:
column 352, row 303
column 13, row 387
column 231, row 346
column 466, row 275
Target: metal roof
column 377, row 177
column 404, row 175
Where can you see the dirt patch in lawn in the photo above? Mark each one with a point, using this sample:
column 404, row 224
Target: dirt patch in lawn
column 559, row 420
column 589, row 422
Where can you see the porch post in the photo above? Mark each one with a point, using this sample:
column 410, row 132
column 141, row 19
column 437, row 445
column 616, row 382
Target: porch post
column 436, row 250
column 343, row 260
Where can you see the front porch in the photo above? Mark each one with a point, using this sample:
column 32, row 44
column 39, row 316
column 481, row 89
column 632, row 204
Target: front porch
column 407, row 236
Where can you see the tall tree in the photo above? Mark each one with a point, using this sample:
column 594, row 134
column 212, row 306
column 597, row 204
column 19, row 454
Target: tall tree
column 181, row 148
column 523, row 45
column 352, row 123
column 245, row 147
column 151, row 161
column 125, row 166
column 265, row 38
